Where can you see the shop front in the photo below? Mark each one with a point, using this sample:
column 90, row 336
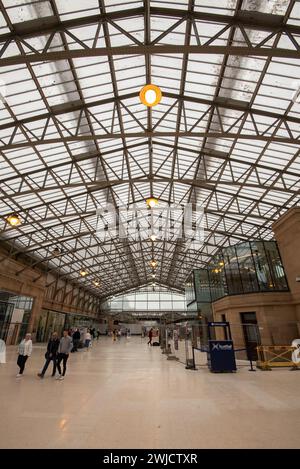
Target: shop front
column 15, row 312
column 54, row 321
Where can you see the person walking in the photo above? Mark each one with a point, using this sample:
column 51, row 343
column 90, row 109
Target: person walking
column 76, row 340
column 25, row 349
column 64, row 348
column 88, row 339
column 51, row 354
column 150, row 335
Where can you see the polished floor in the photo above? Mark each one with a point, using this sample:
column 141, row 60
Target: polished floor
column 127, row 395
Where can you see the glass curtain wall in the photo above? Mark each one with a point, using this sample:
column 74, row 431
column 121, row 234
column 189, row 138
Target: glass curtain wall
column 49, row 322
column 147, row 299
column 6, row 311
column 249, row 267
column 15, row 313
column 52, row 321
column 244, row 268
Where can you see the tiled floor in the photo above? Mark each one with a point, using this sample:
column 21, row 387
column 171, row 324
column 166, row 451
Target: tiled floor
column 127, row 395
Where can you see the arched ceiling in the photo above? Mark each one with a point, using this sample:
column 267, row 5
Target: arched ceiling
column 74, row 135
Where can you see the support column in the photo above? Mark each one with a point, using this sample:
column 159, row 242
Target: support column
column 110, row 323
column 35, row 313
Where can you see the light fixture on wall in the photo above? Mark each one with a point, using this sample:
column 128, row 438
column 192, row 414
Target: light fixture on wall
column 150, row 95
column 14, row 220
column 83, row 273
column 151, row 202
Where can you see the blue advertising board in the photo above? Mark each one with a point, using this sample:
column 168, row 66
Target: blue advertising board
column 220, row 356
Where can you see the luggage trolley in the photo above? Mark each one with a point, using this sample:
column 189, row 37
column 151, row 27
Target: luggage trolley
column 220, row 355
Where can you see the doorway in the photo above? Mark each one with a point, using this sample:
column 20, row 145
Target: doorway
column 251, row 334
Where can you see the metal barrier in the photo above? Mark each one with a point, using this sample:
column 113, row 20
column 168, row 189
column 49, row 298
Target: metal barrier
column 270, row 356
column 184, row 343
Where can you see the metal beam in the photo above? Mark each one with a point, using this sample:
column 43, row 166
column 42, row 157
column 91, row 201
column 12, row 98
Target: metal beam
column 217, row 103
column 248, row 19
column 209, row 183
column 196, row 135
column 67, row 108
column 149, row 49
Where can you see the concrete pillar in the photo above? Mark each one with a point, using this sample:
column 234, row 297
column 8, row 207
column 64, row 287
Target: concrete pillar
column 35, row 314
column 110, row 323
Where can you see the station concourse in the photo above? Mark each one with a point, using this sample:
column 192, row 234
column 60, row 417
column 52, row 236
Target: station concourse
column 149, row 224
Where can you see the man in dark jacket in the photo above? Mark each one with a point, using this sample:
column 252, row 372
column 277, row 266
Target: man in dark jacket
column 51, row 354
column 76, row 340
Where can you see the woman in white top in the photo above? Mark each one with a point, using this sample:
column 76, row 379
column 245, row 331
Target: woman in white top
column 25, row 349
column 88, row 338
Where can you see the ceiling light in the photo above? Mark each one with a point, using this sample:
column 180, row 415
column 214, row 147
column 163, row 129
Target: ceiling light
column 96, row 283
column 150, row 95
column 153, row 237
column 153, row 284
column 221, row 263
column 83, row 273
column 14, row 220
column 153, row 263
column 153, row 275
column 152, row 202
column 56, row 252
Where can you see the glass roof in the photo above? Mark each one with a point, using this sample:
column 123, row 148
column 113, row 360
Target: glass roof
column 74, row 135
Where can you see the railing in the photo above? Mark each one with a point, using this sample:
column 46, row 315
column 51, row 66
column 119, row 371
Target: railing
column 185, row 344
column 270, row 356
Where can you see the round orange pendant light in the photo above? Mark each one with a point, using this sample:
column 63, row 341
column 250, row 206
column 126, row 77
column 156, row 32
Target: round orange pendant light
column 150, row 95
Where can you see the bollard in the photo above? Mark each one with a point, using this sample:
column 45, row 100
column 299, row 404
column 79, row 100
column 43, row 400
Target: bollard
column 190, row 362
